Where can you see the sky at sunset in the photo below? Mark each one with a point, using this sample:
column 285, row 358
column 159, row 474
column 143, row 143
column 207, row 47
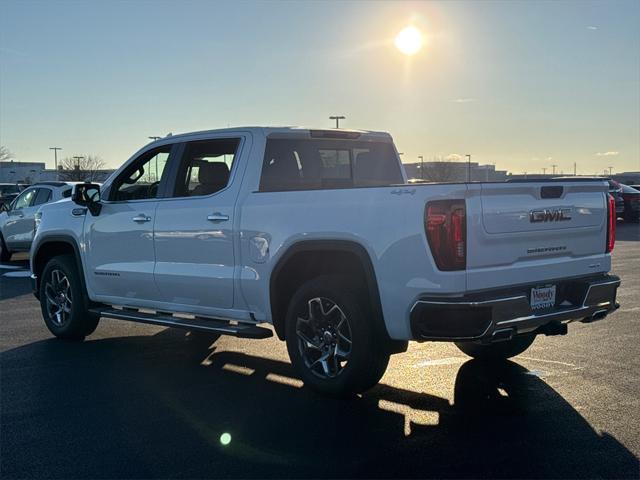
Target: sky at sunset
column 520, row 84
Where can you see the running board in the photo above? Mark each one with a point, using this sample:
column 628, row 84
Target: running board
column 197, row 323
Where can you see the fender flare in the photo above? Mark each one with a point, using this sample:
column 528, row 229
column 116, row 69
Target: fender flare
column 69, row 240
column 348, row 246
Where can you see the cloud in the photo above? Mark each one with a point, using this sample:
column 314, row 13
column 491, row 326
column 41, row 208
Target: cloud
column 592, row 27
column 453, row 157
column 463, row 100
column 607, row 154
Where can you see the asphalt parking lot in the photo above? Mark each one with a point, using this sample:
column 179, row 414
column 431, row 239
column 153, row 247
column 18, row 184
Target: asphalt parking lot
column 136, row 401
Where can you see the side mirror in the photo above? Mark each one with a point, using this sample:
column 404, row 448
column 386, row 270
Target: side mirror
column 87, row 195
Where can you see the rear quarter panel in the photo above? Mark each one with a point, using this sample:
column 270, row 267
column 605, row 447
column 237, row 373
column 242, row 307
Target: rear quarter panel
column 386, row 221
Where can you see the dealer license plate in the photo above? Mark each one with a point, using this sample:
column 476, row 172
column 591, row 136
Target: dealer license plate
column 543, row 297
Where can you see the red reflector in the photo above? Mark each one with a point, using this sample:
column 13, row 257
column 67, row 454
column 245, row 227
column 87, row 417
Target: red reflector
column 611, row 223
column 446, row 228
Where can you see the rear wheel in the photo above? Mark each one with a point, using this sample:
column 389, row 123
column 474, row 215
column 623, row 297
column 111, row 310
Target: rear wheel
column 63, row 300
column 331, row 338
column 5, row 254
column 499, row 350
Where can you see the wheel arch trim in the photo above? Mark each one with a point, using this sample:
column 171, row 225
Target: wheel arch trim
column 327, row 245
column 66, row 239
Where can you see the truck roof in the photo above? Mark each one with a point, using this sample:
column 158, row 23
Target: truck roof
column 288, row 131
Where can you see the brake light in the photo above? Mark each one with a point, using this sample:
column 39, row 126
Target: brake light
column 446, row 228
column 611, row 223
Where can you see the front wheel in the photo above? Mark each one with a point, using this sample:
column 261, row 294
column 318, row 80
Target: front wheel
column 498, row 350
column 63, row 300
column 331, row 338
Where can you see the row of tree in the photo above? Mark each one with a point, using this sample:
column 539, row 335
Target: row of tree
column 70, row 169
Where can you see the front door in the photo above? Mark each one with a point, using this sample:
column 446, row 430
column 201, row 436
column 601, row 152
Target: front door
column 194, row 229
column 119, row 241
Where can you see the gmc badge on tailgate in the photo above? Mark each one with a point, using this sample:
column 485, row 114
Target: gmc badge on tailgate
column 550, row 215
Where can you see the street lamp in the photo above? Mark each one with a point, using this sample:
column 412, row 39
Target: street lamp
column 421, row 167
column 55, row 158
column 337, row 118
column 468, row 167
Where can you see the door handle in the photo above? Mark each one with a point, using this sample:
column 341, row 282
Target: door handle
column 218, row 217
column 141, row 218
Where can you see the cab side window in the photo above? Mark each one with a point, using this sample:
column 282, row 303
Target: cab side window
column 24, row 199
column 205, row 167
column 142, row 178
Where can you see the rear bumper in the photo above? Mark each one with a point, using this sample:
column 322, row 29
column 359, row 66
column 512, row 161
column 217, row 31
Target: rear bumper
column 500, row 314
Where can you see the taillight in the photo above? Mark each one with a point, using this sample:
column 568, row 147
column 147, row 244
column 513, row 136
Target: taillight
column 446, row 228
column 611, row 223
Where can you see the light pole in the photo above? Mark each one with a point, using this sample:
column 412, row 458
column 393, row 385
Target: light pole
column 468, row 167
column 77, row 159
column 610, row 168
column 337, row 118
column 55, row 158
column 554, row 168
column 544, row 170
column 421, row 167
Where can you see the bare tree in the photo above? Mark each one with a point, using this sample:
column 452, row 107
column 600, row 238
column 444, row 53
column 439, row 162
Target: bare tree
column 5, row 154
column 439, row 171
column 80, row 169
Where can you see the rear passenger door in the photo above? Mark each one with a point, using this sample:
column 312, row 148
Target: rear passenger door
column 194, row 229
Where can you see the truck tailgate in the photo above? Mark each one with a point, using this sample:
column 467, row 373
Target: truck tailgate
column 535, row 232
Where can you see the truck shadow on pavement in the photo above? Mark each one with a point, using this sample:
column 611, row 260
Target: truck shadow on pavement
column 147, row 406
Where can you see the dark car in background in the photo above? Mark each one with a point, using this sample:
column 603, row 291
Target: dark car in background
column 9, row 191
column 615, row 190
column 631, row 198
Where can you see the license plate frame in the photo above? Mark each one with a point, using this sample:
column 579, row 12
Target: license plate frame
column 542, row 297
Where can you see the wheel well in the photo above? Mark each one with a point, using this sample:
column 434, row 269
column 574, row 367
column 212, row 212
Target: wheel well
column 49, row 250
column 302, row 262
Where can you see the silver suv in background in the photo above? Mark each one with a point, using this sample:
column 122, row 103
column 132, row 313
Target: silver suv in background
column 18, row 218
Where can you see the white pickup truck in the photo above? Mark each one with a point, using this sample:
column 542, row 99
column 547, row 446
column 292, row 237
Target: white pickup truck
column 318, row 233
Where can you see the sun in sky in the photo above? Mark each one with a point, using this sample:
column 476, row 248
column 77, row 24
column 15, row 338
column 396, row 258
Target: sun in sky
column 409, row 40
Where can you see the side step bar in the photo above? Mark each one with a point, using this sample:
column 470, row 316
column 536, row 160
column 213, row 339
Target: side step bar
column 197, row 323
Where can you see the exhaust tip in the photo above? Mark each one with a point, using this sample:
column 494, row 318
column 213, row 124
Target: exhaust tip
column 598, row 315
column 502, row 335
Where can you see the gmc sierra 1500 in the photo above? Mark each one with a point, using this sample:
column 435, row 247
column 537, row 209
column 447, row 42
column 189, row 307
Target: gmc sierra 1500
column 318, row 233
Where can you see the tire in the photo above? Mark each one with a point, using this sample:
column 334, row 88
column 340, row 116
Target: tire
column 499, row 350
column 5, row 253
column 64, row 301
column 331, row 338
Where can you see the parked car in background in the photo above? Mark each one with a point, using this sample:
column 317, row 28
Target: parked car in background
column 9, row 191
column 18, row 219
column 631, row 198
column 615, row 190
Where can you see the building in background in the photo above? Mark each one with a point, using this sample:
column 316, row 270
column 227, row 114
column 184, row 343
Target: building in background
column 448, row 171
column 33, row 172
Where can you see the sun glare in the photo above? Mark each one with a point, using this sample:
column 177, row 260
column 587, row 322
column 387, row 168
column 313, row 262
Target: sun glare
column 409, row 41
